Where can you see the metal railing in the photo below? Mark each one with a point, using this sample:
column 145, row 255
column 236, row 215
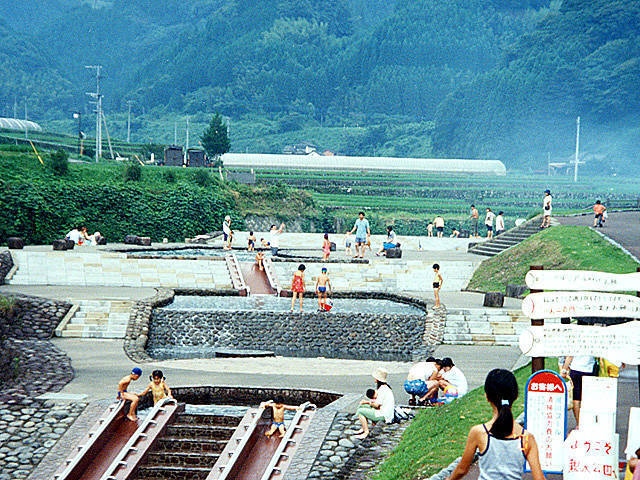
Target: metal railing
column 287, row 441
column 121, row 468
column 104, row 422
column 271, row 275
column 237, row 279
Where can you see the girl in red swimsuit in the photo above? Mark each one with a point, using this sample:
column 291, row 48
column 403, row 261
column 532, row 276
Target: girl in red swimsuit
column 297, row 286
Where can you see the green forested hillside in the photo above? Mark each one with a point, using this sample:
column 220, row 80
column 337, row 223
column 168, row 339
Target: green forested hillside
column 499, row 79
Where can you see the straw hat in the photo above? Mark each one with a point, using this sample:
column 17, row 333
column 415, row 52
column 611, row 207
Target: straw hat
column 380, row 374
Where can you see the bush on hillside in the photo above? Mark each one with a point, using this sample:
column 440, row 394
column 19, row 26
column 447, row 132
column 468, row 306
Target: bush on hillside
column 133, row 172
column 60, row 162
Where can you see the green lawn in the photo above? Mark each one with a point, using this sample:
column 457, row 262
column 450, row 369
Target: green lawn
column 568, row 248
column 436, row 437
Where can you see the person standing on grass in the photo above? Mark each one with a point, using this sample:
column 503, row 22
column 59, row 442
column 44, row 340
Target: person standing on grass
column 363, row 234
column 502, row 444
column 546, row 209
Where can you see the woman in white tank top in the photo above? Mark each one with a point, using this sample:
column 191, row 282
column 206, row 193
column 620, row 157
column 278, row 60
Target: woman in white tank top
column 502, row 444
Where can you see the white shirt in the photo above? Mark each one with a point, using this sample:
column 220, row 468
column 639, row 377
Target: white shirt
column 488, row 220
column 456, row 378
column 387, row 402
column 547, row 201
column 421, row 371
column 226, row 227
column 274, row 238
column 499, row 222
column 74, row 235
column 583, row 363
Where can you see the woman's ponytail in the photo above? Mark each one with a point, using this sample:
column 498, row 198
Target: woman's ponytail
column 501, row 389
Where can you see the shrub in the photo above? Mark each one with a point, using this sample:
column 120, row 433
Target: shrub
column 202, row 178
column 133, row 172
column 7, row 305
column 60, row 162
column 169, row 176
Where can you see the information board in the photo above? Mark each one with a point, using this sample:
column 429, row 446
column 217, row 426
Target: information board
column 582, row 280
column 580, row 304
column 590, row 457
column 617, row 342
column 545, row 416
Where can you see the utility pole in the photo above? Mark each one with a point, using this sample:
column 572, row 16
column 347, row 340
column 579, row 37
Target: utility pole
column 129, row 123
column 26, row 130
column 98, row 98
column 187, row 140
column 78, row 116
column 575, row 169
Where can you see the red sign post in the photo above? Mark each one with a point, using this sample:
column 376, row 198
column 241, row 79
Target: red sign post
column 545, row 416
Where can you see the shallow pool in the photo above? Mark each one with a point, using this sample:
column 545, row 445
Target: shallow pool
column 271, row 303
column 242, row 255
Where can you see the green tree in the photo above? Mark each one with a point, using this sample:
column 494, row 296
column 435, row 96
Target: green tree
column 215, row 139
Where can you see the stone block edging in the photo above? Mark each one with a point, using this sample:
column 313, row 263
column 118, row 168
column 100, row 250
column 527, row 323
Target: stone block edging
column 6, row 265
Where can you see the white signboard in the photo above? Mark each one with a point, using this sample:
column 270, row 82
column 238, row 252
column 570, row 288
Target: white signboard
column 580, row 304
column 599, row 405
column 582, row 280
column 588, row 456
column 545, row 416
column 617, row 343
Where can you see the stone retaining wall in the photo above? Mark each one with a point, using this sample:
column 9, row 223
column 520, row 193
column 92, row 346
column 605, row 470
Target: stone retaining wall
column 32, row 317
column 6, row 263
column 182, row 334
column 157, row 334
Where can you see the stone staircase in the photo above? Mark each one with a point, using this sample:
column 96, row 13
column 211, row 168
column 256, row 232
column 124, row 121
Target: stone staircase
column 508, row 239
column 486, row 326
column 189, row 448
column 96, row 319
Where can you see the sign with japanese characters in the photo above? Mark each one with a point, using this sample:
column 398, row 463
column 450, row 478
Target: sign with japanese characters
column 590, row 457
column 582, row 280
column 545, row 416
column 617, row 342
column 580, row 304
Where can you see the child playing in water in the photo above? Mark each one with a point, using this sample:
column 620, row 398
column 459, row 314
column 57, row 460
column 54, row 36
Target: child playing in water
column 259, row 260
column 278, row 407
column 322, row 284
column 297, row 286
column 502, row 443
column 251, row 242
column 326, row 247
column 158, row 387
column 123, row 384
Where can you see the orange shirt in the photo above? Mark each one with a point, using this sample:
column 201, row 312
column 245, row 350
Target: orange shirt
column 599, row 209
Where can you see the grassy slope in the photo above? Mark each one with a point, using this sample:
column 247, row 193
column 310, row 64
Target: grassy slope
column 437, row 436
column 569, row 248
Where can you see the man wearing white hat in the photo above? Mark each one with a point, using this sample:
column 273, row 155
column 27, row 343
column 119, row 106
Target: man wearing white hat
column 378, row 409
